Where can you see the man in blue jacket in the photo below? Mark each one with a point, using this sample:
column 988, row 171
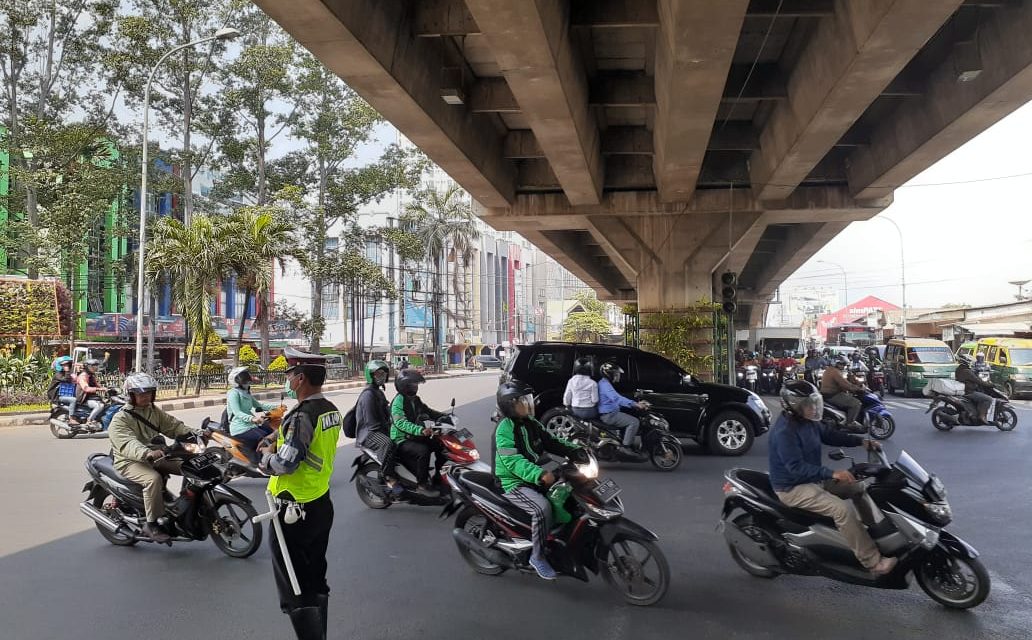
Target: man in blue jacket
column 610, row 402
column 802, row 482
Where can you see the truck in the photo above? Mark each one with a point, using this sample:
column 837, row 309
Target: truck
column 776, row 339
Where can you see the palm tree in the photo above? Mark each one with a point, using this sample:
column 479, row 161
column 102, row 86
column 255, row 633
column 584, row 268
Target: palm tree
column 263, row 239
column 444, row 222
column 194, row 258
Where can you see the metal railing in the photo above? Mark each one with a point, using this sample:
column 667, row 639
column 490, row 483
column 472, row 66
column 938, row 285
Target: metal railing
column 170, row 383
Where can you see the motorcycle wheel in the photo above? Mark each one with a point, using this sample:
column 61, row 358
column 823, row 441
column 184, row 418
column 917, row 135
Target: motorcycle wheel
column 745, row 522
column 1006, row 419
column 230, row 525
column 626, row 567
column 952, row 581
column 883, row 427
column 665, row 454
column 60, row 431
column 939, row 420
column 368, row 476
column 476, row 524
column 118, row 539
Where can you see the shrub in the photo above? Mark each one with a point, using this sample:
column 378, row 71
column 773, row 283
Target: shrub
column 29, row 302
column 248, row 356
column 21, row 397
column 279, row 364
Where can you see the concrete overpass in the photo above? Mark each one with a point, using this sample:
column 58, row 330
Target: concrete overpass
column 650, row 144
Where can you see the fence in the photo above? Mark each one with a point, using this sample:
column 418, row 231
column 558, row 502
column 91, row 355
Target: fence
column 170, row 382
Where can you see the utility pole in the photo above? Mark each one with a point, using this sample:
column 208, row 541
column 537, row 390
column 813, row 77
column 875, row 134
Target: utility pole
column 397, row 280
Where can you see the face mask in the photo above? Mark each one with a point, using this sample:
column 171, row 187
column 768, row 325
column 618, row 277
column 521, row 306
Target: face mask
column 288, row 391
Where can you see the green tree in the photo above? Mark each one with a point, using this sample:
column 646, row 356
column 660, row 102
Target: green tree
column 195, row 259
column 445, row 224
column 590, row 323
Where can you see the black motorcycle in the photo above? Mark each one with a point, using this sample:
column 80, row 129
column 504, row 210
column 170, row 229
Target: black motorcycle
column 493, row 535
column 658, row 445
column 949, row 411
column 205, row 506
column 767, row 538
column 768, row 382
column 62, row 427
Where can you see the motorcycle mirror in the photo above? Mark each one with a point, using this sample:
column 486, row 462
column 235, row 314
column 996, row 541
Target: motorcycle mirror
column 453, row 403
column 837, row 454
column 158, row 440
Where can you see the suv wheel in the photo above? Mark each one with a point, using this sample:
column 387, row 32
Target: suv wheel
column 729, row 434
column 559, row 423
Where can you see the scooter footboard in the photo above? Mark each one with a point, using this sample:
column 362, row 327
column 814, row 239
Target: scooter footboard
column 758, row 552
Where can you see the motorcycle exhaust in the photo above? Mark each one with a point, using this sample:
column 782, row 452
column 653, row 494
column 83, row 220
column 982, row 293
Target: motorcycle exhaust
column 99, row 517
column 467, row 541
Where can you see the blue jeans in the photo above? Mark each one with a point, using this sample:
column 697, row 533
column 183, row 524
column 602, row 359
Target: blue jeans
column 585, row 413
column 252, row 436
column 70, row 402
column 623, row 422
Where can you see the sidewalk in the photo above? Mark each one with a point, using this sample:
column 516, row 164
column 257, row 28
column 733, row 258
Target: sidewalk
column 213, row 399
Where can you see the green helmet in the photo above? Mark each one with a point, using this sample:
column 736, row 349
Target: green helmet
column 372, row 367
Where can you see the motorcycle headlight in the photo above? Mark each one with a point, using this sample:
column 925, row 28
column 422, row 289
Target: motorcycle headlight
column 589, row 470
column 940, row 512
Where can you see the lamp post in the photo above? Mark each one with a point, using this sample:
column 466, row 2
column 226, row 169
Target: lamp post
column 222, row 34
column 902, row 271
column 845, row 278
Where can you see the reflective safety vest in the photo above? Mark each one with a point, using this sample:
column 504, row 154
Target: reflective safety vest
column 311, row 479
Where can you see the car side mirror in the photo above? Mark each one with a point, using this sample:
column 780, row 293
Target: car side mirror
column 837, row 454
column 686, row 379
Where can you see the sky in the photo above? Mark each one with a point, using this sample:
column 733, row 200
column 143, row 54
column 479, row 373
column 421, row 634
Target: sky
column 963, row 242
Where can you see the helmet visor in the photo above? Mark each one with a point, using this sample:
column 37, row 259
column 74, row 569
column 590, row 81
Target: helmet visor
column 812, row 406
column 524, row 405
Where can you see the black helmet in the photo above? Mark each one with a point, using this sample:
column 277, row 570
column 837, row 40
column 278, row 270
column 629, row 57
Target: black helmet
column 92, row 363
column 510, row 394
column 965, row 359
column 841, row 362
column 786, row 354
column 855, row 355
column 408, row 381
column 980, row 357
column 584, row 366
column 768, row 354
column 797, row 395
column 612, row 371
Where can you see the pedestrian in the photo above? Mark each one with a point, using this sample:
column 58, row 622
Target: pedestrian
column 301, row 463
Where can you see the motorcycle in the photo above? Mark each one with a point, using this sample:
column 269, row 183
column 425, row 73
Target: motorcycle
column 983, row 372
column 876, row 379
column 205, row 506
column 874, row 417
column 461, row 453
column 493, row 535
column 949, row 411
column 242, row 459
column 748, row 377
column 658, row 445
column 768, row 381
column 787, row 373
column 62, row 427
column 767, row 538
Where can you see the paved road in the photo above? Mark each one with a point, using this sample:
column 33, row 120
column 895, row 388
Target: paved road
column 396, row 573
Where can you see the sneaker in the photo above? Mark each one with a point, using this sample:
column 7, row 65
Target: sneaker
column 424, row 490
column 884, row 566
column 544, row 570
column 395, row 489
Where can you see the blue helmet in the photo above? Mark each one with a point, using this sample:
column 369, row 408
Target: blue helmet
column 62, row 361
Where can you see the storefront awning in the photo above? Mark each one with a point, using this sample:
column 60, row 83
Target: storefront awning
column 1003, row 329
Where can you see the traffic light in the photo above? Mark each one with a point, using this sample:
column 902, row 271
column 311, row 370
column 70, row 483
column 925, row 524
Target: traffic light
column 729, row 291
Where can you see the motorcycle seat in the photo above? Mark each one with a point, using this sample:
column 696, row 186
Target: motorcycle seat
column 488, row 487
column 105, row 466
column 761, row 483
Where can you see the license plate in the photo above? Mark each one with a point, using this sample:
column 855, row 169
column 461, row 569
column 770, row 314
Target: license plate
column 606, row 490
column 204, row 460
column 752, row 376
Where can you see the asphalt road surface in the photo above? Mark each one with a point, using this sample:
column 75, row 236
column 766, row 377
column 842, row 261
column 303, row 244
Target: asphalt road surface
column 396, row 573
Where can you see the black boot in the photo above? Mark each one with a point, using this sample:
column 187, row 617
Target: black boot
column 154, row 532
column 324, row 601
column 307, row 622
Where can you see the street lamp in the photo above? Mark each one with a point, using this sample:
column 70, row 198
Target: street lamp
column 226, row 33
column 902, row 272
column 845, row 278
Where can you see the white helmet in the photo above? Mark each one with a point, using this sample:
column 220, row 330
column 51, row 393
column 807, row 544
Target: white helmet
column 139, row 383
column 240, row 378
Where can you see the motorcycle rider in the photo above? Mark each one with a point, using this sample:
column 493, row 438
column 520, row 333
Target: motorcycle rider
column 610, row 402
column 373, row 420
column 246, row 413
column 301, row 462
column 980, row 366
column 520, row 440
column 856, row 362
column 581, row 393
column 63, row 386
column 415, row 442
column 838, row 390
column 973, row 386
column 802, row 482
column 89, row 390
column 872, row 355
column 768, row 361
column 131, row 431
column 814, row 361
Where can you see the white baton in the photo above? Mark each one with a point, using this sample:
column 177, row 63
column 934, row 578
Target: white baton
column 274, row 509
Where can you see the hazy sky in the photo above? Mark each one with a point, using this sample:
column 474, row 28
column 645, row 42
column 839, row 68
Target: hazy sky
column 963, row 242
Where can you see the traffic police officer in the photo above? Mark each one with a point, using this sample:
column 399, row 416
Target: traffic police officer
column 301, row 463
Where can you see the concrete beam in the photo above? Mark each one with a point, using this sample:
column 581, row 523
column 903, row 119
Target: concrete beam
column 791, row 8
column 695, row 44
column 627, row 141
column 618, row 245
column 925, row 129
column 851, row 59
column 533, row 49
column 521, row 144
column 577, row 260
column 614, row 14
column 802, row 243
column 438, row 18
column 492, row 95
column 367, row 42
column 735, row 136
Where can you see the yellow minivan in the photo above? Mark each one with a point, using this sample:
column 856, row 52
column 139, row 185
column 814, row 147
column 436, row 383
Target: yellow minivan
column 911, row 362
column 1011, row 362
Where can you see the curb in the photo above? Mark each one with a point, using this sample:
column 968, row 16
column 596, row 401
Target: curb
column 34, row 419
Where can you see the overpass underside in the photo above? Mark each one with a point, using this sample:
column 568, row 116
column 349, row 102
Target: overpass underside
column 650, row 144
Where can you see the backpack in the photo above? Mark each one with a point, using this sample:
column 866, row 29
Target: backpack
column 350, row 427
column 224, row 421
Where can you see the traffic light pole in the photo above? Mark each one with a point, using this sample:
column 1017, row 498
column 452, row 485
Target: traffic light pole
column 731, row 380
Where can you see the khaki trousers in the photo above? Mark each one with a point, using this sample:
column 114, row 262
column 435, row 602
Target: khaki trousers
column 827, row 500
column 152, row 481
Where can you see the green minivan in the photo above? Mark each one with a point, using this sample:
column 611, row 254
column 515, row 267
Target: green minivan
column 911, row 362
column 1011, row 362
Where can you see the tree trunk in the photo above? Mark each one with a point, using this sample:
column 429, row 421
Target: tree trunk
column 266, row 316
column 32, row 215
column 316, row 312
column 320, row 251
column 189, row 363
column 240, row 329
column 187, row 160
column 151, row 333
column 200, row 365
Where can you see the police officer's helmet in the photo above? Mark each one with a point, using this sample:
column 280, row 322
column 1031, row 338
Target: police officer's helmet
column 408, row 381
column 583, row 367
column 511, row 394
column 612, row 371
column 798, row 395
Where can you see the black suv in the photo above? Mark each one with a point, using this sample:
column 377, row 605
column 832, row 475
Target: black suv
column 724, row 418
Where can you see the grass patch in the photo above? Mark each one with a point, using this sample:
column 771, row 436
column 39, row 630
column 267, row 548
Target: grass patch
column 17, row 408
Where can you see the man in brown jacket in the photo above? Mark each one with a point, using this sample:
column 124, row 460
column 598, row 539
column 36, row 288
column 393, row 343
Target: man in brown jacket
column 838, row 391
